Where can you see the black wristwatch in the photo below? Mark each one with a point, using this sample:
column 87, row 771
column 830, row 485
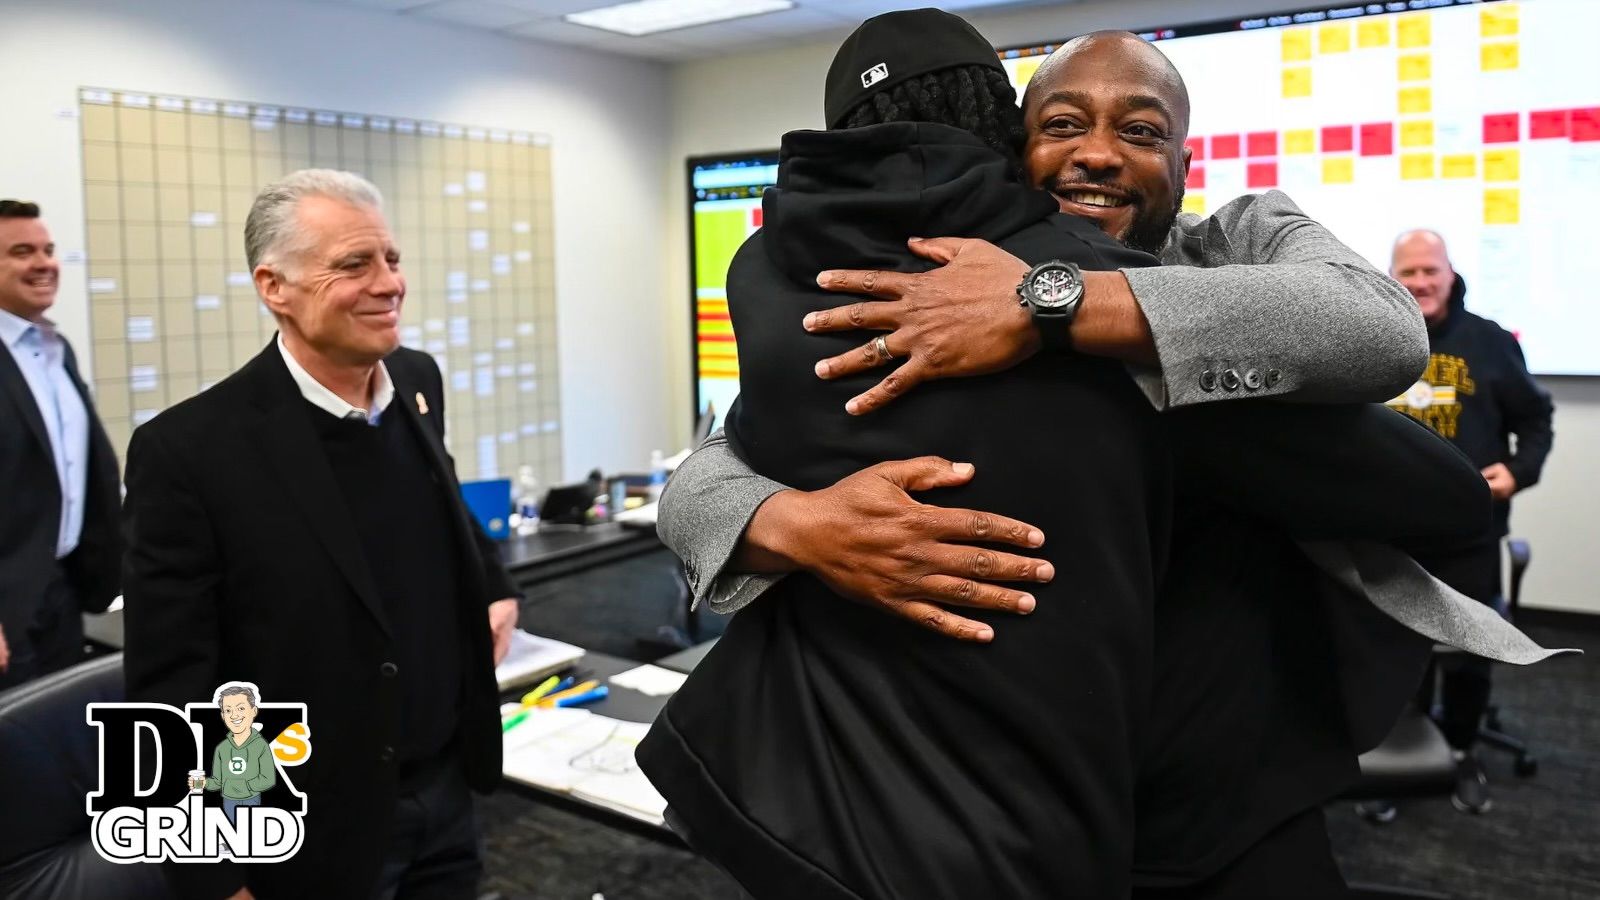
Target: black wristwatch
column 1052, row 291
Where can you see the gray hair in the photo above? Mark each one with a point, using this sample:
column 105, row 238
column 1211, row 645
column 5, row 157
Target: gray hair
column 237, row 690
column 272, row 230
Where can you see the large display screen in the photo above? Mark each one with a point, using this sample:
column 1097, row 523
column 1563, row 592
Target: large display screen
column 725, row 199
column 1480, row 120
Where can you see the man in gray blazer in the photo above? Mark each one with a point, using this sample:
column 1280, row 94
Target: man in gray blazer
column 1256, row 301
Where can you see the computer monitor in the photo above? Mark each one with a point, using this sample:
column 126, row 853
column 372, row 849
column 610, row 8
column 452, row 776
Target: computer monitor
column 724, row 209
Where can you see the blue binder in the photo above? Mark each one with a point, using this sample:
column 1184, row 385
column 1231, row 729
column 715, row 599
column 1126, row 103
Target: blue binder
column 490, row 503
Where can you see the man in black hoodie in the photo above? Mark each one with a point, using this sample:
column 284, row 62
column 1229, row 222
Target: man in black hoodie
column 1477, row 393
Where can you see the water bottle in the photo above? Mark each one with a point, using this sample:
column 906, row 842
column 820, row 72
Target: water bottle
column 658, row 474
column 527, row 501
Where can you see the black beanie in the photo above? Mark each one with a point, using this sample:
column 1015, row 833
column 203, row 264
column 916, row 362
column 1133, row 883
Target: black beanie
column 893, row 47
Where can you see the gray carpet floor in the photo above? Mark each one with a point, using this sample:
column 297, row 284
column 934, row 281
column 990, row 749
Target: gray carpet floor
column 1541, row 841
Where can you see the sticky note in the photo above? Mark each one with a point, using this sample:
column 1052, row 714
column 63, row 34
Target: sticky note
column 1261, row 175
column 1197, row 148
column 1372, row 33
column 1416, row 66
column 1025, row 69
column 1262, row 143
column 1548, row 123
column 1502, row 206
column 1458, row 165
column 1296, row 44
column 1194, row 203
column 1416, row 165
column 1414, row 31
column 1501, row 56
column 1225, row 146
column 1414, row 100
column 1333, row 39
column 1416, row 133
column 1499, row 20
column 1338, row 170
column 1377, row 139
column 1297, row 82
column 1585, row 124
column 1338, row 139
column 1300, row 140
column 1501, row 128
column 1502, row 165
column 1196, row 179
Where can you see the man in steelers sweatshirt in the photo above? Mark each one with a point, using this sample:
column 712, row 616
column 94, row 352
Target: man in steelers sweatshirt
column 1477, row 393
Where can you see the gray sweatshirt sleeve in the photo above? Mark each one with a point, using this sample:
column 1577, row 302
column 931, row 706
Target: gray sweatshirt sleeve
column 703, row 514
column 1258, row 300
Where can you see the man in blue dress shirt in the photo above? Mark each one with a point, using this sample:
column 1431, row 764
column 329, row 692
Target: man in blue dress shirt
column 59, row 541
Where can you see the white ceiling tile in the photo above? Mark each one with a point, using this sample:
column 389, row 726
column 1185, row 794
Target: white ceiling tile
column 557, row 31
column 391, row 5
column 550, row 9
column 476, row 13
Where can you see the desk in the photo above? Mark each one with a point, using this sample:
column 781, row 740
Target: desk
column 557, row 552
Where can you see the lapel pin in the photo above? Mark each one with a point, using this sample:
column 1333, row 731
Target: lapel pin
column 422, row 404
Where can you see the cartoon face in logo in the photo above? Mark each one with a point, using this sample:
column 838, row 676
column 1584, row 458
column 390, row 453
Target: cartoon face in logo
column 239, row 712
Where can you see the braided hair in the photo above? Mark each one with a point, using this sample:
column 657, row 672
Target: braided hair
column 977, row 99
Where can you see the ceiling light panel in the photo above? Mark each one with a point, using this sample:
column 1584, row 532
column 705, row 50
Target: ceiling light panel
column 642, row 17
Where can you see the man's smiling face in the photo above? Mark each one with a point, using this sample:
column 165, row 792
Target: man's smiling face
column 1107, row 116
column 238, row 713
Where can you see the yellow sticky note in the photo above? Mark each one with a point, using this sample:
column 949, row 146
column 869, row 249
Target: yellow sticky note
column 1458, row 165
column 1414, row 30
column 1026, row 68
column 1194, row 203
column 1415, row 100
column 1502, row 165
column 1300, row 140
column 1416, row 165
column 1416, row 133
column 1338, row 170
column 1333, row 38
column 1501, row 55
column 1502, row 206
column 1419, row 66
column 1499, row 20
column 1297, row 81
column 1296, row 44
column 1372, row 33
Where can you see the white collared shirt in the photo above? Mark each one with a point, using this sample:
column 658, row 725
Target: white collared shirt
column 41, row 355
column 319, row 396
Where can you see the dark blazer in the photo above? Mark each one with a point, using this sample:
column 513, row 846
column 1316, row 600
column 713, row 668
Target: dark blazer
column 30, row 517
column 243, row 563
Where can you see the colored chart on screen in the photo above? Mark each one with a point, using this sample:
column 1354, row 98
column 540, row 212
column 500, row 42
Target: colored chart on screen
column 1478, row 120
column 727, row 209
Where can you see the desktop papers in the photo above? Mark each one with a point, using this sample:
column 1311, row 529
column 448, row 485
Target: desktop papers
column 532, row 657
column 574, row 751
column 653, row 681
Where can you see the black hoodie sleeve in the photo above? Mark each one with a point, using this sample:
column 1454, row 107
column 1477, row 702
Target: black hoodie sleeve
column 1527, row 413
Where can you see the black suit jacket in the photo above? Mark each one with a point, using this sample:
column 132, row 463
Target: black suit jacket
column 243, row 563
column 30, row 516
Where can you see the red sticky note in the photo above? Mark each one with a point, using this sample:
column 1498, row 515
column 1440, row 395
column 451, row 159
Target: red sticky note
column 1263, row 143
column 1549, row 123
column 1586, row 124
column 1197, row 148
column 1501, row 128
column 1225, row 146
column 1338, row 139
column 755, row 217
column 1262, row 175
column 1197, row 178
column 1377, row 139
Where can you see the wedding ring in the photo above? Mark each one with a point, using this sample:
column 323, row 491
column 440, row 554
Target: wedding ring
column 881, row 344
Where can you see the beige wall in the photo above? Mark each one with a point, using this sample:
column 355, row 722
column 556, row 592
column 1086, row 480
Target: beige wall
column 746, row 102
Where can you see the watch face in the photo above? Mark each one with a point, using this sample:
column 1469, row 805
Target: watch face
column 1054, row 287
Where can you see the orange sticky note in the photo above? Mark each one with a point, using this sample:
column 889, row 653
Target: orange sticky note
column 1338, row 170
column 1458, row 165
column 1300, row 140
column 1419, row 66
column 1501, row 55
column 1416, row 133
column 1416, row 165
column 1194, row 203
column 1499, row 20
column 1296, row 45
column 1333, row 38
column 1414, row 100
column 1297, row 81
column 1414, row 30
column 1502, row 165
column 1372, row 33
column 1502, row 206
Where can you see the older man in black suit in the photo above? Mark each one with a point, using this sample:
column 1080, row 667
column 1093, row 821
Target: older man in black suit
column 299, row 526
column 59, row 542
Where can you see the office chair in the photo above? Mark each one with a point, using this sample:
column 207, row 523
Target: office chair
column 1491, row 732
column 51, row 762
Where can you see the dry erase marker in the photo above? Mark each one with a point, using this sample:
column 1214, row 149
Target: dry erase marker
column 552, row 699
column 598, row 693
column 514, row 721
column 545, row 687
